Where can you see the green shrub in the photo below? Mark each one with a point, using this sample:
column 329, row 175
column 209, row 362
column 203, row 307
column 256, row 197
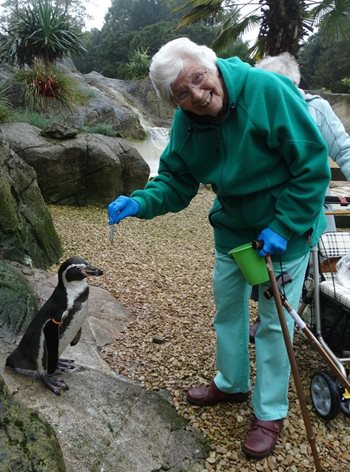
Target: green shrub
column 100, row 128
column 138, row 65
column 33, row 118
column 346, row 82
column 45, row 85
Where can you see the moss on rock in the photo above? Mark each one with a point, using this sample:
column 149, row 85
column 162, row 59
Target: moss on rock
column 26, row 227
column 17, row 303
column 27, row 442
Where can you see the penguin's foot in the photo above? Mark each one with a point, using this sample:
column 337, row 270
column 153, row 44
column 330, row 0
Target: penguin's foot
column 65, row 364
column 55, row 384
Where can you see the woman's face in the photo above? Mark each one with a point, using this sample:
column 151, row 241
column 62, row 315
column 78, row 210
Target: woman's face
column 198, row 90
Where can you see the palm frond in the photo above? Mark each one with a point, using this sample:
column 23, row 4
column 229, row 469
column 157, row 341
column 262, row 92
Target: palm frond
column 333, row 18
column 233, row 28
column 201, row 10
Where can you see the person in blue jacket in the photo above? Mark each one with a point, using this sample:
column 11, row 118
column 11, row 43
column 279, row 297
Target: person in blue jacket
column 248, row 134
column 330, row 126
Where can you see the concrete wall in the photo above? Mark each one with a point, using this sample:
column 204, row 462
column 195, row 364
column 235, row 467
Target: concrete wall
column 340, row 103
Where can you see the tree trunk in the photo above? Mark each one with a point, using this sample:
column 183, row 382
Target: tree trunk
column 282, row 27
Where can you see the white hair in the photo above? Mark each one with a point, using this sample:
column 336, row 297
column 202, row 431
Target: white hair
column 284, row 64
column 171, row 59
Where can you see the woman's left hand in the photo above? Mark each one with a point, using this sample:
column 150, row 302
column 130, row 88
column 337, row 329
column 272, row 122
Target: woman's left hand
column 273, row 243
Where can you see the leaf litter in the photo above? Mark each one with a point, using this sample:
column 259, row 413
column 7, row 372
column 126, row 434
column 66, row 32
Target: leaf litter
column 160, row 270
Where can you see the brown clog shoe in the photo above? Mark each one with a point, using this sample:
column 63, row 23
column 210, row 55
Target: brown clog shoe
column 207, row 395
column 261, row 438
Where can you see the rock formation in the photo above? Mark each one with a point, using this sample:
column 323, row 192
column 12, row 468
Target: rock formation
column 27, row 233
column 89, row 169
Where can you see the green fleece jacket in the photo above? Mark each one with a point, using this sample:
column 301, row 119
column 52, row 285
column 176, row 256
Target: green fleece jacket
column 266, row 162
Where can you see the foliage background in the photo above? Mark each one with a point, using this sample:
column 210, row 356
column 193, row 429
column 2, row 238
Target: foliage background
column 134, row 30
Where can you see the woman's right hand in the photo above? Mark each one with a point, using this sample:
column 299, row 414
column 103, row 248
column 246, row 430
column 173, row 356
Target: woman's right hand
column 121, row 208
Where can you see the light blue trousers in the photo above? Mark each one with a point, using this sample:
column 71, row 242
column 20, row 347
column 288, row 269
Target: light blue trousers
column 231, row 296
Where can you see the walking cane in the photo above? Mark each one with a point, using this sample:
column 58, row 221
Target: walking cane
column 293, row 364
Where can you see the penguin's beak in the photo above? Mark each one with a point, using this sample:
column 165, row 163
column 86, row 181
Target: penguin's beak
column 91, row 270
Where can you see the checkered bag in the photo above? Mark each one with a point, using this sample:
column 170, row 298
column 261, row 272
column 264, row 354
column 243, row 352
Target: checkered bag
column 335, row 296
column 334, row 244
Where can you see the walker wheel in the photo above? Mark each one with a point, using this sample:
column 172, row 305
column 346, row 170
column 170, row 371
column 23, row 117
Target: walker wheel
column 325, row 395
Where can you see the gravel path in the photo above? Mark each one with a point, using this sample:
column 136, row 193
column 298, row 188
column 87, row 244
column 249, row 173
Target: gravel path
column 161, row 271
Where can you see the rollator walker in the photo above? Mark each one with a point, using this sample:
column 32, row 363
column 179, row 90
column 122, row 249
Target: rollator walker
column 325, row 308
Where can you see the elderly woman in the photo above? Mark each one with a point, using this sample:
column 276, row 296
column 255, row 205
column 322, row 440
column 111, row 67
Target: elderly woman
column 249, row 135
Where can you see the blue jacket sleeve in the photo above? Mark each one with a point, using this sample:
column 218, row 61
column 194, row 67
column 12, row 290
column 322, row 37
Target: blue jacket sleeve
column 333, row 132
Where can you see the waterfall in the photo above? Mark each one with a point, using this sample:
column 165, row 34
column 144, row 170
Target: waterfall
column 156, row 137
column 152, row 147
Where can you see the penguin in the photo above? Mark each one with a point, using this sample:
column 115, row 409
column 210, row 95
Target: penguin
column 56, row 325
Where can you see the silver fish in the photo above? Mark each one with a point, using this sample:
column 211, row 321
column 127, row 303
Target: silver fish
column 111, row 234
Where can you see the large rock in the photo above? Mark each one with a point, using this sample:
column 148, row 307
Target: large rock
column 17, row 303
column 100, row 107
column 135, row 94
column 27, row 232
column 15, row 90
column 105, row 422
column 27, row 442
column 106, row 109
column 89, row 169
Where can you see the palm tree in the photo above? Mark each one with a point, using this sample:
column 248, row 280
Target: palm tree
column 283, row 24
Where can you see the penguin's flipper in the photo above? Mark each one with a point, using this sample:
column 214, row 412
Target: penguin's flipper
column 55, row 384
column 52, row 336
column 76, row 339
column 65, row 364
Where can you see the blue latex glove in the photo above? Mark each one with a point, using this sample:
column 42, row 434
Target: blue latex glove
column 273, row 243
column 121, row 208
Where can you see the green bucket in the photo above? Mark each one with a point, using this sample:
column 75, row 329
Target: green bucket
column 252, row 266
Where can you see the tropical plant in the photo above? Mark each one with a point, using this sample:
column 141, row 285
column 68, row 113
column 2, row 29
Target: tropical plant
column 76, row 10
column 45, row 85
column 40, row 32
column 238, row 48
column 283, row 24
column 138, row 64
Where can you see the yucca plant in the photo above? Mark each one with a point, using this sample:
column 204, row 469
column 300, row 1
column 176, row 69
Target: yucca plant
column 138, row 64
column 46, row 84
column 43, row 32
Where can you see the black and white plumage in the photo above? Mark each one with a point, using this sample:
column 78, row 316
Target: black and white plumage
column 57, row 325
